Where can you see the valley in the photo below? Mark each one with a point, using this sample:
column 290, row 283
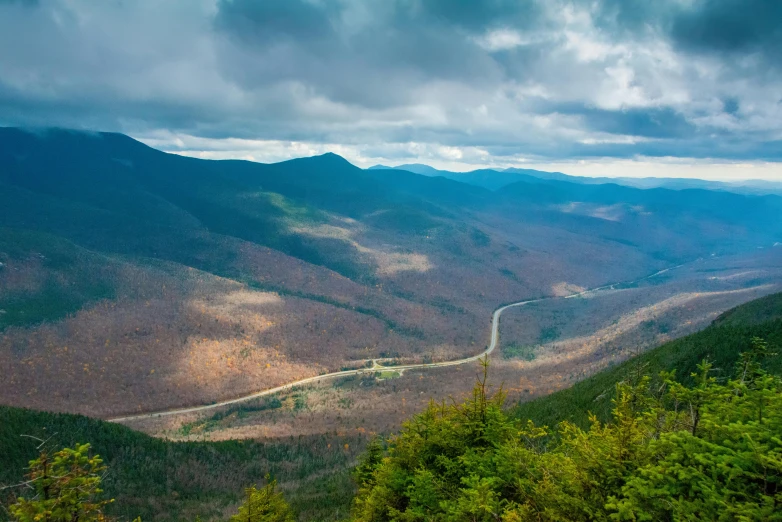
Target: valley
column 390, row 261
column 567, row 339
column 135, row 281
column 161, row 479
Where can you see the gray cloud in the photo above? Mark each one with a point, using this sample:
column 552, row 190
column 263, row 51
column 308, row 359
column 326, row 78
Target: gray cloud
column 730, row 26
column 544, row 80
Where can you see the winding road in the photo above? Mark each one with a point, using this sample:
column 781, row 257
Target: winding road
column 495, row 339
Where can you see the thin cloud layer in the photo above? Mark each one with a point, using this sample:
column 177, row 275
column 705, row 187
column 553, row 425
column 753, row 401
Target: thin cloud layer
column 492, row 82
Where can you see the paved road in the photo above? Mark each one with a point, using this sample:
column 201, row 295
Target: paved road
column 495, row 339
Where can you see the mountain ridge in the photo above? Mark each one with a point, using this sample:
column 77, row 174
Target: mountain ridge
column 497, row 178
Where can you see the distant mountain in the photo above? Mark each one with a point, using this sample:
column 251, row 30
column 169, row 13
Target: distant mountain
column 749, row 187
column 107, row 190
column 415, row 168
column 494, row 179
column 486, row 178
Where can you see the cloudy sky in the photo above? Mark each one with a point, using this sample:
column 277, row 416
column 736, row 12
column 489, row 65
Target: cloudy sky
column 595, row 87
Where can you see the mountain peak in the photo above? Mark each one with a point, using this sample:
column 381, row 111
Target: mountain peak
column 333, row 159
column 331, row 155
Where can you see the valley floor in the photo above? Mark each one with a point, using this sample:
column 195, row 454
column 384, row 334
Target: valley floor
column 544, row 347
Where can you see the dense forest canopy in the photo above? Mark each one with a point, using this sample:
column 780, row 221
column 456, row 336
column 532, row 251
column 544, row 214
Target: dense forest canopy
column 670, row 452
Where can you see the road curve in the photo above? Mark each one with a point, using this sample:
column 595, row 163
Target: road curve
column 495, row 339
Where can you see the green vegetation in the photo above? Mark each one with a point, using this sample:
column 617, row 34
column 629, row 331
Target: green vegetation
column 404, row 221
column 387, row 374
column 58, row 278
column 292, row 401
column 50, row 302
column 479, row 237
column 62, row 487
column 264, row 505
column 510, row 274
column 753, row 313
column 721, row 343
column 299, row 401
column 710, row 451
column 548, row 334
column 238, row 410
column 656, row 326
column 65, row 486
column 354, row 381
column 518, row 351
column 161, row 480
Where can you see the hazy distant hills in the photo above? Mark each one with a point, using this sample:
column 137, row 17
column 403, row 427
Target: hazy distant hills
column 109, row 191
column 486, row 178
column 182, row 281
column 495, row 179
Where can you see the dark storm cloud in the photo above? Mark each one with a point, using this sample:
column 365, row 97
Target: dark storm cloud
column 724, row 27
column 662, row 122
column 651, row 123
column 375, row 62
column 731, row 26
column 267, row 23
column 470, row 15
column 551, row 80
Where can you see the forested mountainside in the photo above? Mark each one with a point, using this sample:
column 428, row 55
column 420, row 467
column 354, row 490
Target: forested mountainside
column 168, row 281
column 731, row 333
column 162, row 480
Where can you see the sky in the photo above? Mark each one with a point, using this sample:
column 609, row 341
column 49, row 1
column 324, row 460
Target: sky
column 668, row 88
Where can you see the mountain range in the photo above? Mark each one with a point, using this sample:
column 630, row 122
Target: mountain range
column 497, row 178
column 166, row 281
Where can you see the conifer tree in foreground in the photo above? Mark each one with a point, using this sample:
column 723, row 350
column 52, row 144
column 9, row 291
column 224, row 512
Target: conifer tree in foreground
column 264, row 505
column 65, row 486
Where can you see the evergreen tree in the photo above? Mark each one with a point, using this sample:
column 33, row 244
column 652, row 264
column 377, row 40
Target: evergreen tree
column 66, row 485
column 264, row 505
column 711, row 451
column 370, row 461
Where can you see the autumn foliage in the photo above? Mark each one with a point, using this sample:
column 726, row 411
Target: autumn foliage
column 708, row 451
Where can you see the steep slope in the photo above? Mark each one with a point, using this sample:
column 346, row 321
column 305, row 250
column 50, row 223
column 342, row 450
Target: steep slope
column 720, row 343
column 160, row 480
column 672, row 225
